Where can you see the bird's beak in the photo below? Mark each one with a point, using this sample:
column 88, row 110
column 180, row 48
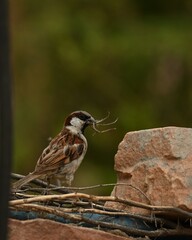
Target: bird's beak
column 91, row 121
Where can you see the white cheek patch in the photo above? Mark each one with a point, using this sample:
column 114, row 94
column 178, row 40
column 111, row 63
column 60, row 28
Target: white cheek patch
column 76, row 122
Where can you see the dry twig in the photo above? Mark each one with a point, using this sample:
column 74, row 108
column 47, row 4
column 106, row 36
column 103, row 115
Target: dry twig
column 74, row 207
column 126, row 229
column 93, row 198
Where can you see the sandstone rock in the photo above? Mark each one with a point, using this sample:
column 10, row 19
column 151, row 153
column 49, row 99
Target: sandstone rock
column 45, row 229
column 159, row 163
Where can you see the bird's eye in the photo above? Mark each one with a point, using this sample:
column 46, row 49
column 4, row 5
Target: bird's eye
column 84, row 117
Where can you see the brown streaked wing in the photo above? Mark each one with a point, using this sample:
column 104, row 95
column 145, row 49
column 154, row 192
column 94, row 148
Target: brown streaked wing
column 53, row 157
column 74, row 151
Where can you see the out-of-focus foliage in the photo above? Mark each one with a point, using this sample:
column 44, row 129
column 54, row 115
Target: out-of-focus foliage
column 132, row 58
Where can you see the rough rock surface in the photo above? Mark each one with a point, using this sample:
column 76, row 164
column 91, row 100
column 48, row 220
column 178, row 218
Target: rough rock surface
column 46, row 229
column 159, row 163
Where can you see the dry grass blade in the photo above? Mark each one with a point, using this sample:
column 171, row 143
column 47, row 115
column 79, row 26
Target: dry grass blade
column 103, row 119
column 100, row 123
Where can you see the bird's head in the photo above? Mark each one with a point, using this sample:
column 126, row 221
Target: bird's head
column 79, row 120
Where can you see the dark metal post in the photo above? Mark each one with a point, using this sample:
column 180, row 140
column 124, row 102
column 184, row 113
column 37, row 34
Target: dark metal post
column 5, row 118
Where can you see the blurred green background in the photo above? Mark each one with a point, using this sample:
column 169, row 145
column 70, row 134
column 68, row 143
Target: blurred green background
column 132, row 58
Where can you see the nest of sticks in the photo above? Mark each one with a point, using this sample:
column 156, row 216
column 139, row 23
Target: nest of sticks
column 72, row 205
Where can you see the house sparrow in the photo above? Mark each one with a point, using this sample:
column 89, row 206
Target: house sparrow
column 65, row 152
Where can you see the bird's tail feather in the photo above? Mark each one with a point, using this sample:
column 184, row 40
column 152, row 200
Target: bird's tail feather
column 24, row 180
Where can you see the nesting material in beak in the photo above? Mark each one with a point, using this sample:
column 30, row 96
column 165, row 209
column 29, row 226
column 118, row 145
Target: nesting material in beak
column 100, row 123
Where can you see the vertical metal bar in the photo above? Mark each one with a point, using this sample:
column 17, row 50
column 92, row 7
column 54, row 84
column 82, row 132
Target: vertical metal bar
column 5, row 119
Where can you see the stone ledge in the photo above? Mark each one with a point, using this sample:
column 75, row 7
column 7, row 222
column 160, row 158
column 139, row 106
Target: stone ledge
column 46, row 229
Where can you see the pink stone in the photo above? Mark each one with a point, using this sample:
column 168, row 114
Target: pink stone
column 159, row 163
column 43, row 229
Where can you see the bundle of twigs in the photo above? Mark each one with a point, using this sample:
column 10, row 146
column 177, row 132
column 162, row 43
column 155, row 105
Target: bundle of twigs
column 74, row 206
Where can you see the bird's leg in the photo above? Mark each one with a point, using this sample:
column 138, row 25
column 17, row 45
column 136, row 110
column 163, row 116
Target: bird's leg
column 58, row 181
column 46, row 190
